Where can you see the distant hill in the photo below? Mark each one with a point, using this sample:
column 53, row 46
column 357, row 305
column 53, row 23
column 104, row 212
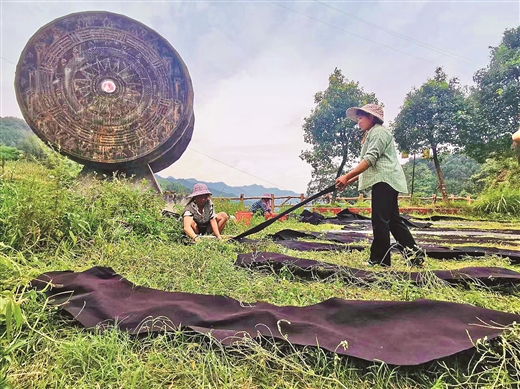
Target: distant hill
column 221, row 189
column 216, row 188
column 172, row 186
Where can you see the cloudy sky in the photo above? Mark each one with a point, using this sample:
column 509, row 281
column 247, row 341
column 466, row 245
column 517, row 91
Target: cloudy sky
column 256, row 65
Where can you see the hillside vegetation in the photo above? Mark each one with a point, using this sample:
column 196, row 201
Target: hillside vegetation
column 13, row 131
column 50, row 220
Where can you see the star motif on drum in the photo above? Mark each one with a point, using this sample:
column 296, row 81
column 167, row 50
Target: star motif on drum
column 110, row 88
column 105, row 89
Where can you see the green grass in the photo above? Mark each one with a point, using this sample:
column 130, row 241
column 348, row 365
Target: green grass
column 49, row 221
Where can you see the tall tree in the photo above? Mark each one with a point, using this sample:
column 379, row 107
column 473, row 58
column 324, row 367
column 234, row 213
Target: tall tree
column 324, row 173
column 432, row 118
column 496, row 99
column 333, row 138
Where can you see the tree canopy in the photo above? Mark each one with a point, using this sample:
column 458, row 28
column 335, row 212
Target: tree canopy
column 9, row 153
column 496, row 100
column 432, row 118
column 334, row 139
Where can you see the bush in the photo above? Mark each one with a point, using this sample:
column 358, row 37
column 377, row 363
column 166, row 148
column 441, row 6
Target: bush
column 33, row 148
column 413, row 201
column 49, row 206
column 501, row 196
column 503, row 201
column 9, row 153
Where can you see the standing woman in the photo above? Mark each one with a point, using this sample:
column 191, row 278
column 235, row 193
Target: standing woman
column 380, row 171
column 199, row 217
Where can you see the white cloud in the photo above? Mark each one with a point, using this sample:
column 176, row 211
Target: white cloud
column 256, row 67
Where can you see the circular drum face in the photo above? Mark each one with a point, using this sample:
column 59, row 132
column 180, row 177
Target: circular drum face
column 104, row 89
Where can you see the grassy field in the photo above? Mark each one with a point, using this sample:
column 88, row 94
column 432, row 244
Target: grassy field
column 51, row 221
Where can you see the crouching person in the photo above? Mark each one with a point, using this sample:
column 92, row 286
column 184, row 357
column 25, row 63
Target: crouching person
column 199, row 217
column 262, row 206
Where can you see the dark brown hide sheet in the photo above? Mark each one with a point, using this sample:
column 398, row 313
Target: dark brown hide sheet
column 341, row 237
column 311, row 269
column 398, row 333
column 345, row 216
column 287, row 238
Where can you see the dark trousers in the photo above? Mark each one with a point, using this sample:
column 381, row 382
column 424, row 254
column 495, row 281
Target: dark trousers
column 386, row 219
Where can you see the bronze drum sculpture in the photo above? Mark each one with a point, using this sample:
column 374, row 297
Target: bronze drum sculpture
column 108, row 92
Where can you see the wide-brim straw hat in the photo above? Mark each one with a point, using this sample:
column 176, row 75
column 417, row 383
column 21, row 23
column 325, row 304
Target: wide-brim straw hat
column 199, row 189
column 373, row 109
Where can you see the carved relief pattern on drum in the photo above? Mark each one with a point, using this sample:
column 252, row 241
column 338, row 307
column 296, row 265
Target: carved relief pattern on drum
column 102, row 87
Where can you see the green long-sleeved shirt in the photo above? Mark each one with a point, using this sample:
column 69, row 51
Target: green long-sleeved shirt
column 381, row 156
